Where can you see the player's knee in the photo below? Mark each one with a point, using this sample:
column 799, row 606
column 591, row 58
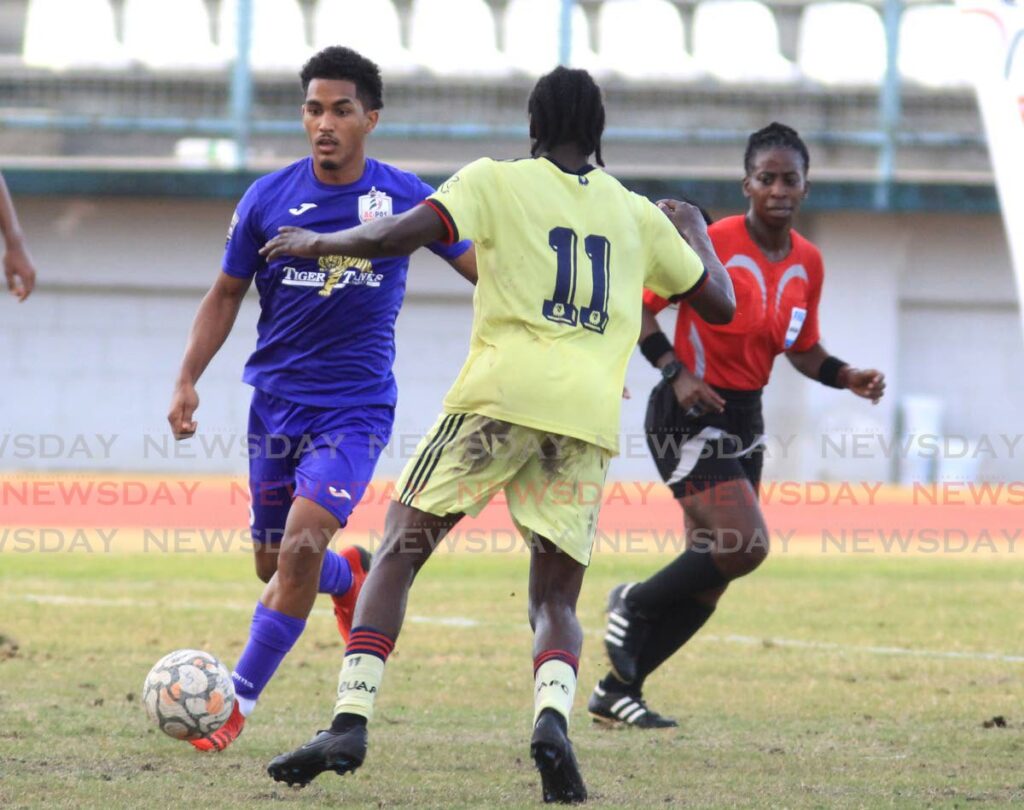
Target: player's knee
column 755, row 556
column 738, row 551
column 710, row 597
column 291, row 578
column 753, row 550
column 266, row 562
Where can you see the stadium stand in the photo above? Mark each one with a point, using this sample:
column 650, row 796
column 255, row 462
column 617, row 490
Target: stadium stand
column 452, row 85
column 160, row 35
column 86, row 37
column 532, row 31
column 623, row 23
column 738, row 41
column 842, row 43
column 279, row 41
column 467, row 49
column 375, row 29
column 928, row 46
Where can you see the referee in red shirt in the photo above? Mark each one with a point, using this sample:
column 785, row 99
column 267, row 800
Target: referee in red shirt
column 704, row 424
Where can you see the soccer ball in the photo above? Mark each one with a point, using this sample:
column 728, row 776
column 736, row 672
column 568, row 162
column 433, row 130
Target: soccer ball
column 188, row 694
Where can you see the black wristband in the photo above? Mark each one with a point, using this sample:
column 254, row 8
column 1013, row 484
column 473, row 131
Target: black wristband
column 654, row 346
column 828, row 374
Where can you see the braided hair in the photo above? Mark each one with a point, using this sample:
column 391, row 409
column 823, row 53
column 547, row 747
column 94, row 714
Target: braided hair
column 775, row 136
column 565, row 107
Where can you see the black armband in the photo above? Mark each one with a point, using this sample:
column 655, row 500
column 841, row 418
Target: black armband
column 828, row 374
column 654, row 346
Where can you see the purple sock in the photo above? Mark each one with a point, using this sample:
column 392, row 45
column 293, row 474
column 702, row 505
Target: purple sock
column 271, row 636
column 335, row 575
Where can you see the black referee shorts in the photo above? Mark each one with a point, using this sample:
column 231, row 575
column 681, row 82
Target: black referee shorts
column 693, row 453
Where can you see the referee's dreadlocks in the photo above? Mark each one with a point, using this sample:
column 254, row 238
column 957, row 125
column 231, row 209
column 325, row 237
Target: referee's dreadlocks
column 565, row 107
column 775, row 136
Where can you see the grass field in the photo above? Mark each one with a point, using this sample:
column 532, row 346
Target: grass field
column 821, row 682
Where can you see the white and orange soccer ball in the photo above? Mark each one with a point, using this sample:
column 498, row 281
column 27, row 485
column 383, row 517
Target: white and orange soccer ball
column 188, row 694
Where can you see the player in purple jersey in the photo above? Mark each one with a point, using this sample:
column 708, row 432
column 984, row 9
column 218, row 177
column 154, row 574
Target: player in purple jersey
column 325, row 394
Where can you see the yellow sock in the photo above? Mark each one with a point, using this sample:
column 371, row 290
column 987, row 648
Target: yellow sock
column 358, row 684
column 554, row 687
column 362, row 671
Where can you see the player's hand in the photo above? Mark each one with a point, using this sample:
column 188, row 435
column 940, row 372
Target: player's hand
column 184, row 402
column 625, row 392
column 19, row 272
column 688, row 219
column 867, row 382
column 291, row 241
column 696, row 396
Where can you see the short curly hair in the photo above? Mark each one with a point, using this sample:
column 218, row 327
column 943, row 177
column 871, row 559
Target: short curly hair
column 338, row 62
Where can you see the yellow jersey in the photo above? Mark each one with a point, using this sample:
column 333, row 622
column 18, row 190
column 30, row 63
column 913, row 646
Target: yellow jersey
column 563, row 259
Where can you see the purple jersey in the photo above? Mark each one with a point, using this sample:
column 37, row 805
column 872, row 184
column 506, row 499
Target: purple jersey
column 326, row 334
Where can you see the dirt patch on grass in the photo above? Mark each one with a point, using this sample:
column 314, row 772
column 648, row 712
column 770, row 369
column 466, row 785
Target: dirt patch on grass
column 8, row 647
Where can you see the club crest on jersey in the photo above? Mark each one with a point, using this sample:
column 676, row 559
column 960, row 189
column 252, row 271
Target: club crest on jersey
column 374, row 205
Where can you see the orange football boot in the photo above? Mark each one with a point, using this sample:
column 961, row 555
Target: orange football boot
column 225, row 735
column 345, row 605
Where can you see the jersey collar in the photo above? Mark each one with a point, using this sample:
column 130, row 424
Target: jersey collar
column 585, row 169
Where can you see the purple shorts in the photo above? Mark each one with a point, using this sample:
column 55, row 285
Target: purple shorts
column 324, row 454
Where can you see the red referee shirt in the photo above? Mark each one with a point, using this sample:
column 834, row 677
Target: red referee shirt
column 776, row 311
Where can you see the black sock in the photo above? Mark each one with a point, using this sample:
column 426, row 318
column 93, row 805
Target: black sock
column 612, row 684
column 345, row 721
column 671, row 632
column 690, row 573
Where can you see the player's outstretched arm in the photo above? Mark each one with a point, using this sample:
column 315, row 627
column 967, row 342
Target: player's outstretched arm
column 715, row 301
column 388, row 236
column 18, row 268
column 211, row 327
column 868, row 383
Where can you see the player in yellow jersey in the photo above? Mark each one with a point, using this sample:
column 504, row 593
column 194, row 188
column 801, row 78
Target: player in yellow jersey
column 563, row 254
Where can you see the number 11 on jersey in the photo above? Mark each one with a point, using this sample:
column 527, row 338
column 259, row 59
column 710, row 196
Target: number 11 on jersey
column 561, row 308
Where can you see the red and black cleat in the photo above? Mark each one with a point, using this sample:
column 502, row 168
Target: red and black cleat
column 345, row 605
column 225, row 735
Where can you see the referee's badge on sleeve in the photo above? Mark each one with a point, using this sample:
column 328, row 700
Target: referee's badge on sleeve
column 796, row 322
column 374, row 205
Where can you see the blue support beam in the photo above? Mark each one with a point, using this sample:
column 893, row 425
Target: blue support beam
column 224, row 127
column 565, row 32
column 889, row 104
column 716, row 194
column 241, row 84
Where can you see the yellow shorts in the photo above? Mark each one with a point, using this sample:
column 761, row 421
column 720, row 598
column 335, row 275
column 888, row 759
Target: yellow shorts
column 552, row 483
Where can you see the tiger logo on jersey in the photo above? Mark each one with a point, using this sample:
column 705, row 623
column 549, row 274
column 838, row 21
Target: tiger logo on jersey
column 347, row 271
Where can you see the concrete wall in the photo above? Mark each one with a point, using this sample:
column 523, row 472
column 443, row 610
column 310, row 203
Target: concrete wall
column 928, row 299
